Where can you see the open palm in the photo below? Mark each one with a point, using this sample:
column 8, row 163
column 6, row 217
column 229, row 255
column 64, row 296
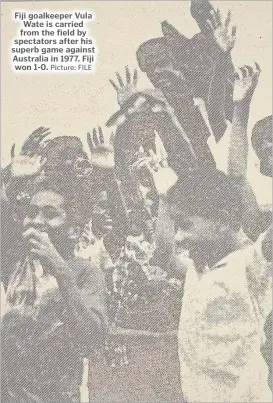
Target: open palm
column 29, row 162
column 102, row 153
column 223, row 31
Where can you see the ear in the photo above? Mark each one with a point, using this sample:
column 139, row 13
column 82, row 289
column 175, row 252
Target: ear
column 74, row 232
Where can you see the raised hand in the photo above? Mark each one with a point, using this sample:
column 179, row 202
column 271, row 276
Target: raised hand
column 161, row 175
column 223, row 30
column 29, row 162
column 125, row 90
column 34, row 143
column 102, row 152
column 23, row 165
column 246, row 80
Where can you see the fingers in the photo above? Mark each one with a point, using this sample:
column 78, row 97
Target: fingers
column 97, row 139
column 210, row 25
column 228, row 19
column 247, row 71
column 164, row 164
column 39, row 133
column 233, row 30
column 119, row 79
column 135, row 77
column 140, row 163
column 12, row 151
column 33, row 232
column 44, row 135
column 214, row 19
column 42, row 146
column 111, row 140
column 128, row 75
column 114, row 85
column 31, row 145
column 90, row 143
column 218, row 17
column 257, row 68
column 101, row 137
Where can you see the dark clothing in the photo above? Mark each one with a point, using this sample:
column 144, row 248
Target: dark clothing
column 41, row 350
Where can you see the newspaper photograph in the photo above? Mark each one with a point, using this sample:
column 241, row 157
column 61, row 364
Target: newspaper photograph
column 136, row 207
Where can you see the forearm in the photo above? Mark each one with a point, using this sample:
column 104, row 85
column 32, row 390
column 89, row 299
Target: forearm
column 217, row 95
column 237, row 168
column 238, row 146
column 164, row 235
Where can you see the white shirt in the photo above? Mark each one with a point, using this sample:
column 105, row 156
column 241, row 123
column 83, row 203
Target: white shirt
column 221, row 330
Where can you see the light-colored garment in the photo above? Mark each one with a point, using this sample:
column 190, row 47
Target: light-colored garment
column 221, row 330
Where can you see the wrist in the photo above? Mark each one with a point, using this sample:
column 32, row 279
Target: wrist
column 242, row 104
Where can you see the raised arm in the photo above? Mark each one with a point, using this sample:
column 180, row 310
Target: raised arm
column 162, row 178
column 223, row 33
column 245, row 83
column 125, row 88
column 27, row 164
column 102, row 158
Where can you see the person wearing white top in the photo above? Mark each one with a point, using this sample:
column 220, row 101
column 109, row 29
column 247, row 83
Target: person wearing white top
column 227, row 294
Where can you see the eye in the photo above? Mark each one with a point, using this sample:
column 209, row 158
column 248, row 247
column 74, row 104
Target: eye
column 182, row 224
column 50, row 213
column 32, row 211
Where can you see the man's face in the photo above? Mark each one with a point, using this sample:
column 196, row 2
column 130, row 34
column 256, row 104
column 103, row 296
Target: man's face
column 195, row 234
column 165, row 77
column 46, row 213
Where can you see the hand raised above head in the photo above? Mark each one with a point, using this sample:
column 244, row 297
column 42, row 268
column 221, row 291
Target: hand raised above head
column 23, row 165
column 246, row 80
column 101, row 148
column 160, row 174
column 29, row 161
column 35, row 142
column 125, row 90
column 223, row 30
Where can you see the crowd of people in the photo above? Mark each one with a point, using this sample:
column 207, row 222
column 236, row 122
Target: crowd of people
column 138, row 258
